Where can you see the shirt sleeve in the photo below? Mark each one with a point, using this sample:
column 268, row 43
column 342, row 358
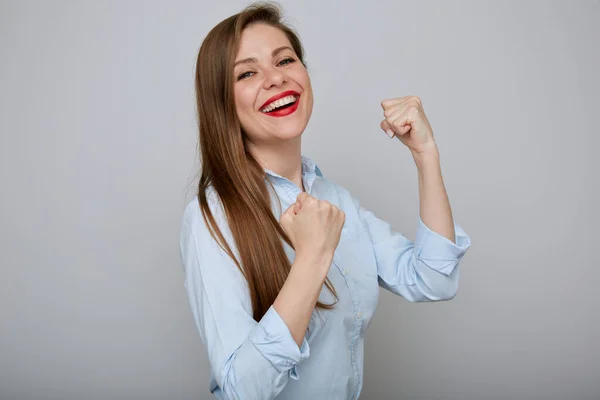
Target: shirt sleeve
column 249, row 359
column 424, row 270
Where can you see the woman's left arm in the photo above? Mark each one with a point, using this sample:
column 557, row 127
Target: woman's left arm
column 405, row 119
column 434, row 206
column 426, row 269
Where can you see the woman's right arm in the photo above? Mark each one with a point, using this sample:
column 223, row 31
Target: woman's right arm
column 250, row 360
column 298, row 296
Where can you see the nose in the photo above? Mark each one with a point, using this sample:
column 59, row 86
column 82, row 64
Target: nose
column 274, row 77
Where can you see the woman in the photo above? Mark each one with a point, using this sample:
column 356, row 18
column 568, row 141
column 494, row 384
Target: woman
column 283, row 266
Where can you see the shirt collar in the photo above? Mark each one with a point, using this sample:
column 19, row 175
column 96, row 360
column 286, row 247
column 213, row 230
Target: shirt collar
column 310, row 171
column 308, row 167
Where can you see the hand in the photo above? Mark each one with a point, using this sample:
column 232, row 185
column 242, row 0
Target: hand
column 405, row 119
column 314, row 226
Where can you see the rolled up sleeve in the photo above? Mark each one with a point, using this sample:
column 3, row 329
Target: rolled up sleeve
column 420, row 271
column 248, row 359
column 437, row 251
column 273, row 340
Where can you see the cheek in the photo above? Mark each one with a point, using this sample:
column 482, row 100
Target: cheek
column 306, row 86
column 244, row 100
column 309, row 95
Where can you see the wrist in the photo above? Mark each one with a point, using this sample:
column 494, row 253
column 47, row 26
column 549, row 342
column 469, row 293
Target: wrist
column 321, row 261
column 427, row 157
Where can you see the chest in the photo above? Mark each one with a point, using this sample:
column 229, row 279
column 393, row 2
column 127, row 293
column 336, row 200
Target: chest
column 353, row 274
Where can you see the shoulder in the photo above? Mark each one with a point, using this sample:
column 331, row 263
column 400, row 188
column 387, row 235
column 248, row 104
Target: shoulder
column 198, row 247
column 192, row 220
column 192, row 209
column 206, row 264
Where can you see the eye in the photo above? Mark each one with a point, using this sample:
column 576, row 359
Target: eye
column 285, row 61
column 244, row 75
column 291, row 60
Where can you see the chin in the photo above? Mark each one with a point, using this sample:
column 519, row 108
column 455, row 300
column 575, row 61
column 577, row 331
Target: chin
column 288, row 134
column 295, row 129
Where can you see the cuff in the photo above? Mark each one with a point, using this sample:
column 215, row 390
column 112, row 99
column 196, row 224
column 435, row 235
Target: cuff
column 437, row 251
column 273, row 339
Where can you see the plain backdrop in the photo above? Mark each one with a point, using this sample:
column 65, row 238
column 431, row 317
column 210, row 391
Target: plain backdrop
column 98, row 158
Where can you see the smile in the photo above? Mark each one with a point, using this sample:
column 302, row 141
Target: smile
column 282, row 104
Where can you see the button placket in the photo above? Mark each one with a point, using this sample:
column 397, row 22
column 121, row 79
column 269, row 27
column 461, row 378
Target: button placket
column 358, row 322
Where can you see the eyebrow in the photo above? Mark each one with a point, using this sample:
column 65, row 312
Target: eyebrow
column 253, row 60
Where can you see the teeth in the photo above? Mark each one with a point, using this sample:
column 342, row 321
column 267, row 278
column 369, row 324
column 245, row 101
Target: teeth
column 279, row 103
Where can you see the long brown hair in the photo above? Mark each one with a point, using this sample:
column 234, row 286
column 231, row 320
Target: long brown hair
column 236, row 176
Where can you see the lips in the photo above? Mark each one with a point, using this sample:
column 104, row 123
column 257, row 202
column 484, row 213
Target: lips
column 280, row 96
column 282, row 112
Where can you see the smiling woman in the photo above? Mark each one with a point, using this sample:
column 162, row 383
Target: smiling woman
column 239, row 137
column 282, row 299
column 269, row 64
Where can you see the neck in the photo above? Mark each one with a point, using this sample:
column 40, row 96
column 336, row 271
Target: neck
column 284, row 159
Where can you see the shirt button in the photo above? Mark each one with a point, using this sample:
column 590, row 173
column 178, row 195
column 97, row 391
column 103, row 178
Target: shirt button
column 359, row 315
column 345, row 271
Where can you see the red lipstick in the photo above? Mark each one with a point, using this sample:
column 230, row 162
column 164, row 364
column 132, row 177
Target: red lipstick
column 279, row 96
column 284, row 111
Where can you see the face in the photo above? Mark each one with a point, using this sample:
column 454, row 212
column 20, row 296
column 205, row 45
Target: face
column 273, row 94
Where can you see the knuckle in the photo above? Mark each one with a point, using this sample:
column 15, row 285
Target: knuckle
column 308, row 200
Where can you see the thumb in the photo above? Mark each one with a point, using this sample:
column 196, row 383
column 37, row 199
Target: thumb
column 288, row 213
column 292, row 210
column 387, row 128
column 297, row 206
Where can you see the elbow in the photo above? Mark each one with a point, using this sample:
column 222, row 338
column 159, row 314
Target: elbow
column 226, row 381
column 436, row 286
column 447, row 291
column 232, row 379
column 246, row 374
column 437, row 294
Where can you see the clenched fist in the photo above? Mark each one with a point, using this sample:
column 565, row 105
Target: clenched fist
column 314, row 226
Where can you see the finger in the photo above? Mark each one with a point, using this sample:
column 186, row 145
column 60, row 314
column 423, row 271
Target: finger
column 342, row 217
column 400, row 129
column 325, row 203
column 297, row 207
column 387, row 128
column 394, row 102
column 287, row 221
column 401, row 100
column 394, row 129
column 403, row 122
column 287, row 214
column 393, row 112
column 301, row 197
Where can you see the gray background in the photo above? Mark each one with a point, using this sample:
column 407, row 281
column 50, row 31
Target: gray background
column 98, row 159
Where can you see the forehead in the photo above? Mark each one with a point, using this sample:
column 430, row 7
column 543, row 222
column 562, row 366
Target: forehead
column 258, row 40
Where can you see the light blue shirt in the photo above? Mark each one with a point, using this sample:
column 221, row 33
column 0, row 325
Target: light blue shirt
column 261, row 360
